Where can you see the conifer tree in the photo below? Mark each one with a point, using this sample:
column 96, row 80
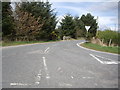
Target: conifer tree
column 68, row 26
column 89, row 20
column 28, row 27
column 42, row 9
column 7, row 21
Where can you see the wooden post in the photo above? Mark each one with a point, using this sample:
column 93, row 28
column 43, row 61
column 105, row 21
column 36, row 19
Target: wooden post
column 110, row 42
column 102, row 41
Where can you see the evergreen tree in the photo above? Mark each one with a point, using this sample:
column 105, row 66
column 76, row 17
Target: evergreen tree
column 89, row 20
column 7, row 21
column 0, row 20
column 93, row 29
column 28, row 26
column 42, row 9
column 68, row 26
column 79, row 27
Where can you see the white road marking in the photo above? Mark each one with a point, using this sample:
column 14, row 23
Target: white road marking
column 65, row 84
column 46, row 69
column 47, row 76
column 47, row 50
column 38, row 78
column 44, row 62
column 110, row 62
column 39, row 74
column 78, row 44
column 37, row 51
column 96, row 58
column 87, row 77
column 59, row 68
column 19, row 84
column 72, row 77
column 103, row 57
column 95, row 84
column 103, row 62
column 37, row 83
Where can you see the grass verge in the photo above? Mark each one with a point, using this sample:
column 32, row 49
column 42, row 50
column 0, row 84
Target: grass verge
column 101, row 48
column 13, row 43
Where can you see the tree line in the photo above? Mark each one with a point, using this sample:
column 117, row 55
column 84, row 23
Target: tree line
column 31, row 21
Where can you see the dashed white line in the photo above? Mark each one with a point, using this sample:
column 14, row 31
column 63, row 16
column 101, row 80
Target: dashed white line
column 87, row 77
column 47, row 50
column 47, row 76
column 44, row 62
column 37, row 51
column 72, row 77
column 19, row 84
column 38, row 78
column 65, row 84
column 46, row 69
column 59, row 68
column 37, row 83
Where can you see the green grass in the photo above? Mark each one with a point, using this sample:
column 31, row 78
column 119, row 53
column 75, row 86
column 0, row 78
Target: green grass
column 101, row 48
column 13, row 43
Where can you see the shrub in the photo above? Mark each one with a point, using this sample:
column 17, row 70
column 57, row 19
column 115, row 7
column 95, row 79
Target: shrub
column 107, row 35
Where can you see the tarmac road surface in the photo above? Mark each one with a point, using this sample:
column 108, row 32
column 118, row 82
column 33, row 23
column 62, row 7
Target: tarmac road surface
column 60, row 64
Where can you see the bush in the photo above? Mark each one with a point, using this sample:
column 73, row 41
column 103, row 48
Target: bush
column 107, row 35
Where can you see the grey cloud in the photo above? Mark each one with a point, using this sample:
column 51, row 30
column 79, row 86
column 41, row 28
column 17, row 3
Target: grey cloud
column 105, row 6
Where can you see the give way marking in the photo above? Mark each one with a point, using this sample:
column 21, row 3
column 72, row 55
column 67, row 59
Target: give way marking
column 105, row 61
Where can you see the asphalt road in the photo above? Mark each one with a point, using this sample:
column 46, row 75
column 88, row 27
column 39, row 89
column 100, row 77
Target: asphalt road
column 58, row 65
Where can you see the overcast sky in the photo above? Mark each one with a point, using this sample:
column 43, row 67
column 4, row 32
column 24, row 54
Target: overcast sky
column 106, row 10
